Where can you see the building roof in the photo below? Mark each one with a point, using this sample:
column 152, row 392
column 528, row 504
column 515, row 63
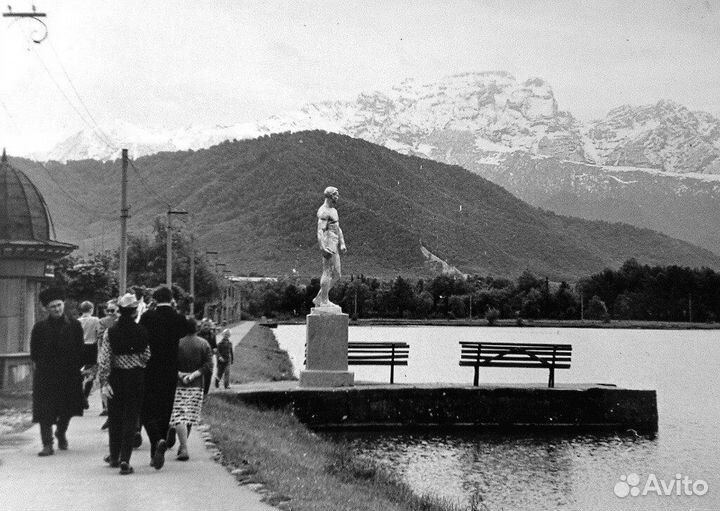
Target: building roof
column 24, row 216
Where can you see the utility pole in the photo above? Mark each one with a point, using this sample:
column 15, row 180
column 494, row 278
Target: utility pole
column 168, row 255
column 192, row 274
column 123, row 223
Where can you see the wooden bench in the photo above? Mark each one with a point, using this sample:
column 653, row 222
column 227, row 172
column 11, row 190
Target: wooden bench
column 379, row 354
column 508, row 354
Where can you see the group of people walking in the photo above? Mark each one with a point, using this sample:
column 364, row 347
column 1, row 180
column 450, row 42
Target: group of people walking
column 151, row 368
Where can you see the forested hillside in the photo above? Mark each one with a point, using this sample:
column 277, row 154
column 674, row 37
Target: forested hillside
column 255, row 202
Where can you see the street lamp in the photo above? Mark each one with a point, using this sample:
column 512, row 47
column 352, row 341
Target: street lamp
column 168, row 257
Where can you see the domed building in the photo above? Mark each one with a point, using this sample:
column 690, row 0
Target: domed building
column 27, row 252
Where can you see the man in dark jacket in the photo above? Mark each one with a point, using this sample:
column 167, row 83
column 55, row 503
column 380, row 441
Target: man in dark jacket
column 56, row 349
column 165, row 327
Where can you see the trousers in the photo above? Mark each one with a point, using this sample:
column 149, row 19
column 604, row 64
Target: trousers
column 124, row 410
column 46, row 434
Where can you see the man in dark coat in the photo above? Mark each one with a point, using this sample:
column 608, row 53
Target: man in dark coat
column 165, row 327
column 56, row 349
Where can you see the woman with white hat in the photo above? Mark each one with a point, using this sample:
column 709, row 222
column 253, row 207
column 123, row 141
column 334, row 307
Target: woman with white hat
column 121, row 372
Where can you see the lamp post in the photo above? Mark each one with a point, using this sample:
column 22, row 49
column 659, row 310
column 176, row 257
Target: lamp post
column 168, row 257
column 228, row 294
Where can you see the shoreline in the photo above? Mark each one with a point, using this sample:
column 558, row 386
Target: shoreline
column 525, row 323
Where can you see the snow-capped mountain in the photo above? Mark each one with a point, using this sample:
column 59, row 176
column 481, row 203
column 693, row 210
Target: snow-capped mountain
column 655, row 166
column 490, row 112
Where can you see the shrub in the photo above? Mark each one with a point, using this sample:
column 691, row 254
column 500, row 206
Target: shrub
column 492, row 315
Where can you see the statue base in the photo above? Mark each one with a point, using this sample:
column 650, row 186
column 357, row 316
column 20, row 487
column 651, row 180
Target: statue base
column 326, row 309
column 319, row 378
column 326, row 350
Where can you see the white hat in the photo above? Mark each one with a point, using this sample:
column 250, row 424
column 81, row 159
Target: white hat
column 128, row 301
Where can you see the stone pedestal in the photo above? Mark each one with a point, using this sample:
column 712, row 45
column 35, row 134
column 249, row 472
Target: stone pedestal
column 326, row 350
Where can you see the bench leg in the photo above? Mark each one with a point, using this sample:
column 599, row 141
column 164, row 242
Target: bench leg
column 551, row 378
column 476, row 378
column 392, row 373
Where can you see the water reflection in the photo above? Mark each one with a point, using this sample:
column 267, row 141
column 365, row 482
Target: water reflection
column 539, row 471
column 557, row 471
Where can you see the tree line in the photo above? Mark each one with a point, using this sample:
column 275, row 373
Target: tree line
column 633, row 292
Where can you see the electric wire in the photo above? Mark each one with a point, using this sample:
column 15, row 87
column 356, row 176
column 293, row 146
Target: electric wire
column 106, row 139
column 98, row 212
column 148, row 187
column 67, row 98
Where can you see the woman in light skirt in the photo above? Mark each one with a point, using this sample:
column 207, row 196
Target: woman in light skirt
column 194, row 365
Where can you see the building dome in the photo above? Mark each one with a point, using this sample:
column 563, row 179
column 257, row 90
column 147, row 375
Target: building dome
column 24, row 217
column 23, row 213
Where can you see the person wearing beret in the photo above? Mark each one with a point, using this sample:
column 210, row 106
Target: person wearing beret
column 56, row 349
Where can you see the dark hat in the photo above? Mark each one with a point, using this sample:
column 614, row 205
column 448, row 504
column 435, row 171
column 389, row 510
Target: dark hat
column 51, row 294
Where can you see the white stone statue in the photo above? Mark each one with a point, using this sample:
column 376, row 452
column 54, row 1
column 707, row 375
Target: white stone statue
column 331, row 241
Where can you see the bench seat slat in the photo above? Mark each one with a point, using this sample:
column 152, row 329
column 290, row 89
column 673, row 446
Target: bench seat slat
column 515, row 364
column 372, row 357
column 377, row 363
column 514, row 348
column 383, row 349
column 508, row 345
column 539, row 352
column 377, row 344
column 519, row 358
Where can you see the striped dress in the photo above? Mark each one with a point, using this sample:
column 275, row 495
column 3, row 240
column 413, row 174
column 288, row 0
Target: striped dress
column 194, row 354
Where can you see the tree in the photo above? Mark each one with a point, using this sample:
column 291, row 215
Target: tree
column 93, row 277
column 597, row 309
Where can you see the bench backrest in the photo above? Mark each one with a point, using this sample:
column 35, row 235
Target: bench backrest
column 378, row 353
column 506, row 354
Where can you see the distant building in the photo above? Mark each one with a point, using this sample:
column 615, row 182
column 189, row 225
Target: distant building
column 27, row 253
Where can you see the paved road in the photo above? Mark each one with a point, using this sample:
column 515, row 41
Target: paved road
column 78, row 479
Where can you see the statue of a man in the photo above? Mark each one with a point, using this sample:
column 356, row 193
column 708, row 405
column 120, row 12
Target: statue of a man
column 331, row 241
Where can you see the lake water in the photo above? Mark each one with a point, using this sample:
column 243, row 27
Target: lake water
column 559, row 471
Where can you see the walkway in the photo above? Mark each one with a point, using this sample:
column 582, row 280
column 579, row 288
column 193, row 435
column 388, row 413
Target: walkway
column 79, row 480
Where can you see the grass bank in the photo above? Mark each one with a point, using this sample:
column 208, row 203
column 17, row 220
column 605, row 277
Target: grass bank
column 302, row 470
column 259, row 358
column 15, row 409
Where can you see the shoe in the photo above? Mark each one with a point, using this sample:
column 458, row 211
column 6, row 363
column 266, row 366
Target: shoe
column 62, row 441
column 183, row 456
column 137, row 440
column 106, row 424
column 114, row 463
column 158, row 458
column 125, row 468
column 170, row 437
column 47, row 450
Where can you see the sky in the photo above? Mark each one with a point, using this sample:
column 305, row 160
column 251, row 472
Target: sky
column 177, row 63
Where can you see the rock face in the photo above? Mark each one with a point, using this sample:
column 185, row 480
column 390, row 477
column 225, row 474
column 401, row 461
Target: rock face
column 664, row 136
column 514, row 134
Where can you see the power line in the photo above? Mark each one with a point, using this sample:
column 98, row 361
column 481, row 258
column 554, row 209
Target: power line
column 70, row 196
column 77, row 95
column 80, row 114
column 149, row 189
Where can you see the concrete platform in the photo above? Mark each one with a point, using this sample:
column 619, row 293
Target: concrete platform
column 365, row 405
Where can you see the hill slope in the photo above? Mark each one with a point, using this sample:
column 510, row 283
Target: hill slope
column 255, row 202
